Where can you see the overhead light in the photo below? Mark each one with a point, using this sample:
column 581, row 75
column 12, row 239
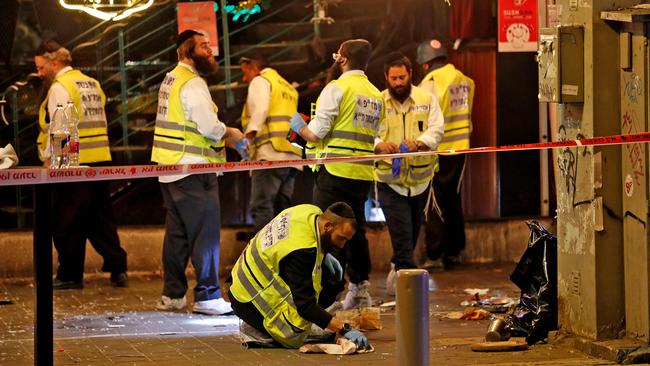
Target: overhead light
column 93, row 8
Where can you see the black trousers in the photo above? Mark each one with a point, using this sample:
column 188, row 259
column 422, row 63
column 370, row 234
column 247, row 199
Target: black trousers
column 404, row 216
column 83, row 211
column 192, row 230
column 447, row 238
column 329, row 189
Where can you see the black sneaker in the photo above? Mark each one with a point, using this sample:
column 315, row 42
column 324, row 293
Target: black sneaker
column 58, row 284
column 119, row 279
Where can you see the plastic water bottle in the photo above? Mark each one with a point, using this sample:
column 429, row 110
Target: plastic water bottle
column 59, row 139
column 72, row 116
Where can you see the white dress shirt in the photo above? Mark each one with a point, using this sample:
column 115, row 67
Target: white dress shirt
column 197, row 107
column 258, row 102
column 430, row 137
column 57, row 95
column 328, row 107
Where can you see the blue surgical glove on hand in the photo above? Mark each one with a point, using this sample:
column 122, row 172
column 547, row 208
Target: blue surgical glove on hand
column 333, row 266
column 242, row 149
column 297, row 122
column 397, row 162
column 357, row 337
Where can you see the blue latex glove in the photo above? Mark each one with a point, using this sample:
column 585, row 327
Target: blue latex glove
column 242, row 149
column 297, row 122
column 333, row 266
column 358, row 338
column 397, row 162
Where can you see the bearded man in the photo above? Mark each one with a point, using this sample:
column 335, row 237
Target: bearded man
column 277, row 280
column 188, row 131
column 345, row 123
column 413, row 122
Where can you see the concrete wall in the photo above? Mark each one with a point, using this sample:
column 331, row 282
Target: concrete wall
column 487, row 242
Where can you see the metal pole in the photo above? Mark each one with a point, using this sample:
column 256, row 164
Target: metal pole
column 412, row 317
column 544, row 192
column 124, row 115
column 43, row 318
column 230, row 97
column 20, row 215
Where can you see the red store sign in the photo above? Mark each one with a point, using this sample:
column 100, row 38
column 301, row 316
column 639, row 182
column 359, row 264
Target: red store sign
column 518, row 25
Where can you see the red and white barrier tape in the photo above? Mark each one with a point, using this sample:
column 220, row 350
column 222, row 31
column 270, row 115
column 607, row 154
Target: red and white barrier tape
column 11, row 177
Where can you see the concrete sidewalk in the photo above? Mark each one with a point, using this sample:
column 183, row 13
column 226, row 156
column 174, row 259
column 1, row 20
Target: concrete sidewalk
column 102, row 325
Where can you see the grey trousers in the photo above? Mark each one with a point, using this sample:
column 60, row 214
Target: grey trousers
column 271, row 191
column 192, row 230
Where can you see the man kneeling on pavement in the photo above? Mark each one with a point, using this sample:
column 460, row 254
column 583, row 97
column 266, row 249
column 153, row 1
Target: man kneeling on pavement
column 276, row 281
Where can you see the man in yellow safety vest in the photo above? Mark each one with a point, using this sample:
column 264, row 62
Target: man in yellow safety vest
column 83, row 209
column 347, row 116
column 455, row 92
column 413, row 122
column 188, row 131
column 270, row 103
column 276, row 282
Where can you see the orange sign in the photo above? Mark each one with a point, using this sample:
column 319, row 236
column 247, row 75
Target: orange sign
column 200, row 16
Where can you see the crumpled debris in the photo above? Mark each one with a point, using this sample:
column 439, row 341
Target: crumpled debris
column 477, row 291
column 8, row 157
column 362, row 319
column 493, row 304
column 342, row 347
column 472, row 313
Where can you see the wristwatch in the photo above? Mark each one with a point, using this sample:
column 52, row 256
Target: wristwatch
column 346, row 328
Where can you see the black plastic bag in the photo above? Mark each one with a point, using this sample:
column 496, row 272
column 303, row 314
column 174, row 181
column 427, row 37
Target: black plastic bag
column 536, row 277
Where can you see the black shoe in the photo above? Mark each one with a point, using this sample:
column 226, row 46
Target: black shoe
column 452, row 261
column 119, row 279
column 57, row 284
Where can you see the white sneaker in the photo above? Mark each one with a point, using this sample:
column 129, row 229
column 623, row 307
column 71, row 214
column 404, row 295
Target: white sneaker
column 249, row 334
column 212, row 307
column 169, row 304
column 391, row 280
column 358, row 296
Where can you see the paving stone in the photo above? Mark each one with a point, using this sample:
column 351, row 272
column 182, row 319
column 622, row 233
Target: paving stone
column 102, row 325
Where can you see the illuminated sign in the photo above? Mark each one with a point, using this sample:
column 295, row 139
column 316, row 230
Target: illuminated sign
column 108, row 9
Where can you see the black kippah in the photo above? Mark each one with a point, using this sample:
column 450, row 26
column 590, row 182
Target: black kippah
column 341, row 209
column 47, row 46
column 185, row 35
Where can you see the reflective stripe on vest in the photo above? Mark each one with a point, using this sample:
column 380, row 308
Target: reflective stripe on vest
column 174, row 135
column 456, row 92
column 89, row 99
column 354, row 129
column 282, row 105
column 256, row 276
column 397, row 127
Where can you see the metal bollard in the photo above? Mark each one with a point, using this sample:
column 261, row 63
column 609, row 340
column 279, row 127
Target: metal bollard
column 412, row 317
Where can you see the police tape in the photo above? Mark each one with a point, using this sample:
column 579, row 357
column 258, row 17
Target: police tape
column 28, row 176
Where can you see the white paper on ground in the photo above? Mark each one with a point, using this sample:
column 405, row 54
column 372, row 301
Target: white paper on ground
column 342, row 347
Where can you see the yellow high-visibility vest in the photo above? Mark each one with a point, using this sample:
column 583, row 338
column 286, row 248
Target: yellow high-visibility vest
column 89, row 99
column 397, row 127
column 354, row 129
column 283, row 105
column 256, row 274
column 175, row 135
column 456, row 93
